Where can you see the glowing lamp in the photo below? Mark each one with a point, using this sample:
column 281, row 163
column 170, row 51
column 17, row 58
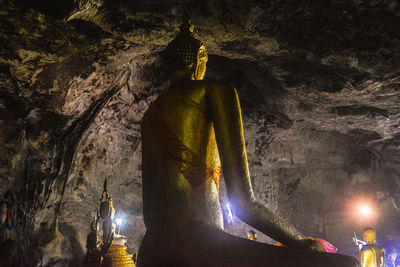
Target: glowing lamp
column 230, row 214
column 365, row 210
column 119, row 223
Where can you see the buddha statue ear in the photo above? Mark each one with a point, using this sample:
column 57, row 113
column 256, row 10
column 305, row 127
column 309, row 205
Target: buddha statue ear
column 200, row 66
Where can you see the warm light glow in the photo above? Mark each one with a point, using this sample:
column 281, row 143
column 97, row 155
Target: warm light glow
column 365, row 210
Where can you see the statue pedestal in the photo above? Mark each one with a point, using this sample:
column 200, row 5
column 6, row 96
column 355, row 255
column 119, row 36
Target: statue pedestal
column 117, row 256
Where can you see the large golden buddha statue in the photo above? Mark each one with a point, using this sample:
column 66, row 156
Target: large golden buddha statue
column 185, row 133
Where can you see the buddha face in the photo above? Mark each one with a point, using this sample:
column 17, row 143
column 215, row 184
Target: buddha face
column 94, row 227
column 369, row 235
column 200, row 69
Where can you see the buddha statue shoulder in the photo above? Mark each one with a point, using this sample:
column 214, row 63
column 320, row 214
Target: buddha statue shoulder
column 191, row 131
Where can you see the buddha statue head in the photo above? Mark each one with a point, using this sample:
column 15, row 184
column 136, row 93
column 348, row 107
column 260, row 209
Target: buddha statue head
column 252, row 235
column 186, row 54
column 369, row 235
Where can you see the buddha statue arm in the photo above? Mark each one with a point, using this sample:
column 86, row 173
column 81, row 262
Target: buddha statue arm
column 226, row 115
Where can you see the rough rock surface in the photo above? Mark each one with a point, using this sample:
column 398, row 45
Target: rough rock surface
column 319, row 87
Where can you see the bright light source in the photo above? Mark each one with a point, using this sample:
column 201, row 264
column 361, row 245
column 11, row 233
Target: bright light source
column 365, row 210
column 119, row 223
column 230, row 215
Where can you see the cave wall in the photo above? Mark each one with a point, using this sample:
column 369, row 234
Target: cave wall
column 320, row 110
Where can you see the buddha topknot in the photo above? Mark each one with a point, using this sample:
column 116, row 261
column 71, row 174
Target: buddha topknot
column 183, row 51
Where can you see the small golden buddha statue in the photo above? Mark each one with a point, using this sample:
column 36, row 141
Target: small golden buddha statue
column 93, row 255
column 186, row 133
column 92, row 239
column 371, row 255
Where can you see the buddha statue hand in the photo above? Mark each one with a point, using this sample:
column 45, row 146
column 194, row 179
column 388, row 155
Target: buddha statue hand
column 317, row 244
column 311, row 244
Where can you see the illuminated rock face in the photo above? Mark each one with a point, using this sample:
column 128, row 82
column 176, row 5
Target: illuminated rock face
column 321, row 114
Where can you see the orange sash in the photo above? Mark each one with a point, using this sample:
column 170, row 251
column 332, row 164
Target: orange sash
column 190, row 165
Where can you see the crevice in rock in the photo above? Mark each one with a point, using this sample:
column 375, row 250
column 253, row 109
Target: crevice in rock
column 359, row 110
column 71, row 137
